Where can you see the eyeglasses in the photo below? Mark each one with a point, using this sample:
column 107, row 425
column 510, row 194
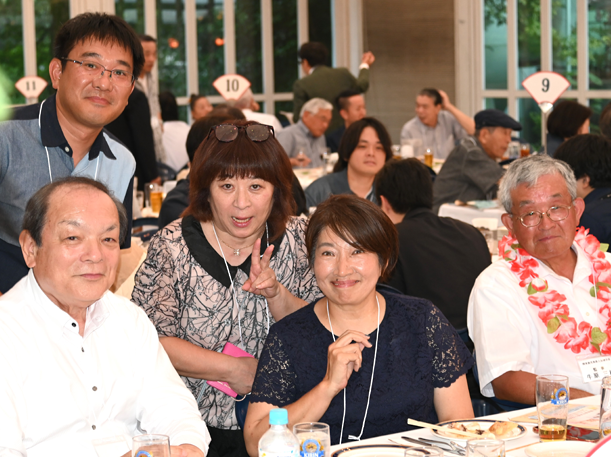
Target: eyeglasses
column 226, row 133
column 119, row 77
column 555, row 213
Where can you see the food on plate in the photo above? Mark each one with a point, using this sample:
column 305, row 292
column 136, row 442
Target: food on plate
column 503, row 429
column 498, row 430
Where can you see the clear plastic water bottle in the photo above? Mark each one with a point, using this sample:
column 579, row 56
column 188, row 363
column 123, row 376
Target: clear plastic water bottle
column 278, row 441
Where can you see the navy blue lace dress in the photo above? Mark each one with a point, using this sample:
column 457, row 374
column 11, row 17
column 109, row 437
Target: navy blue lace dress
column 418, row 351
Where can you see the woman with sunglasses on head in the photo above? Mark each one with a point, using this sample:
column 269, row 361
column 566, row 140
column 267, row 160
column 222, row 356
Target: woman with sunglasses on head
column 361, row 361
column 224, row 273
column 364, row 149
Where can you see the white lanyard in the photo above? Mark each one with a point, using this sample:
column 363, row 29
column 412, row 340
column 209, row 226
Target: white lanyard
column 235, row 303
column 375, row 354
column 97, row 166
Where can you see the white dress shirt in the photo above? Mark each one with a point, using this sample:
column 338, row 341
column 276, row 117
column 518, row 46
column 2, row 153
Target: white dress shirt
column 175, row 143
column 60, row 391
column 263, row 118
column 508, row 333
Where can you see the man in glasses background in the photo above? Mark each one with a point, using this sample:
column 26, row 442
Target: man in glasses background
column 95, row 59
column 532, row 312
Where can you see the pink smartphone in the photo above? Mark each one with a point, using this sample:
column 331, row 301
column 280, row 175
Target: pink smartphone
column 234, row 351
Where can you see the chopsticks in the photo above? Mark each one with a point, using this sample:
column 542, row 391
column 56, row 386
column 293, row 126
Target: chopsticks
column 445, row 429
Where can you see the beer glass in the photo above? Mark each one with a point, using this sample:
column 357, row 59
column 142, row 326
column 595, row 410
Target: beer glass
column 552, row 406
column 151, row 446
column 485, row 448
column 314, row 439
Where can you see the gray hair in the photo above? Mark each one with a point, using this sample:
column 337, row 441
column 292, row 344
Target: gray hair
column 528, row 170
column 37, row 208
column 314, row 104
column 244, row 102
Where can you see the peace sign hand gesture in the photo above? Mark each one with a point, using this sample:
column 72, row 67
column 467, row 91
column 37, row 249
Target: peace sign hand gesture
column 262, row 279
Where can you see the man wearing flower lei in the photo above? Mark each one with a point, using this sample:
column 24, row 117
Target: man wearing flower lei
column 544, row 306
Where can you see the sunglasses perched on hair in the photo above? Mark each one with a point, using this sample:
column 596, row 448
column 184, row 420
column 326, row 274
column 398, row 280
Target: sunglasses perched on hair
column 226, row 133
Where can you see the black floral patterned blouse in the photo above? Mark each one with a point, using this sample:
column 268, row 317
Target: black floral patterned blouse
column 184, row 287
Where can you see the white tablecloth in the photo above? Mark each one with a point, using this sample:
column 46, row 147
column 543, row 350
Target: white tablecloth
column 528, row 438
column 468, row 213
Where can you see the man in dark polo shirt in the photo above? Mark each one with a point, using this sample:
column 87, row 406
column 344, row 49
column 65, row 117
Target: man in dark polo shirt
column 439, row 257
column 471, row 171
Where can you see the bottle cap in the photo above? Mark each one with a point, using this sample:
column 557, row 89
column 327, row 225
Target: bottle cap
column 278, row 416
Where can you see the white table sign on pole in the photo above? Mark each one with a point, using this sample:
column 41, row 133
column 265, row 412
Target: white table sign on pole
column 231, row 86
column 31, row 86
column 545, row 87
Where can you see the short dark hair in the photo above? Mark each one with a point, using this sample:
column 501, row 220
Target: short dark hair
column 352, row 135
column 566, row 118
column 169, row 106
column 315, row 53
column 406, row 184
column 588, row 155
column 604, row 122
column 242, row 158
column 225, row 110
column 200, row 129
column 358, row 222
column 432, row 93
column 35, row 217
column 343, row 99
column 146, row 38
column 101, row 27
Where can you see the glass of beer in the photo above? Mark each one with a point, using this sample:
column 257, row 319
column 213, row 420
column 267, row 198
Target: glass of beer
column 154, row 196
column 524, row 149
column 314, row 439
column 605, row 407
column 552, row 406
column 428, row 158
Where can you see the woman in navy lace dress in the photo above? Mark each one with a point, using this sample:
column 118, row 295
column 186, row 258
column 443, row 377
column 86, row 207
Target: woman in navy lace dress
column 359, row 360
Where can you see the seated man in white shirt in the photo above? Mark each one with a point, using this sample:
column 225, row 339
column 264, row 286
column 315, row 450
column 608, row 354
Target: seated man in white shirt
column 250, row 108
column 438, row 123
column 80, row 364
column 531, row 312
column 304, row 142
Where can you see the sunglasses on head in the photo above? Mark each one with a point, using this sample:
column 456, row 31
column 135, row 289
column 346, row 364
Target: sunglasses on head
column 226, row 133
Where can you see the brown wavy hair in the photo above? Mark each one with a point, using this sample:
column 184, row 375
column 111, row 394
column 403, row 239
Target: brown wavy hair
column 242, row 158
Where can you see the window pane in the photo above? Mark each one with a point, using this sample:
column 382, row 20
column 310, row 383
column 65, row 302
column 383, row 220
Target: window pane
column 597, row 105
column 599, row 23
column 133, row 13
column 287, row 107
column 319, row 27
column 564, row 39
column 529, row 39
column 529, row 115
column 248, row 42
column 50, row 15
column 496, row 103
column 495, row 44
column 171, row 47
column 211, row 60
column 285, row 45
column 11, row 47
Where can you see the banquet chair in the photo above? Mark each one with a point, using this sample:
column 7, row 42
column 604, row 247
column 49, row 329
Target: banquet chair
column 148, row 227
column 166, row 172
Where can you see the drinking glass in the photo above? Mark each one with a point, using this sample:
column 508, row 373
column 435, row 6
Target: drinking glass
column 605, row 407
column 552, row 406
column 153, row 194
column 314, row 439
column 151, row 446
column 485, row 448
column 419, row 451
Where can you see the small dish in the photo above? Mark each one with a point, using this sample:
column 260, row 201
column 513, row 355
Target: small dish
column 560, row 449
column 485, row 425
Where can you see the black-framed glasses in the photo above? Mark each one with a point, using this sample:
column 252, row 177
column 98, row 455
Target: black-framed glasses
column 89, row 67
column 226, row 133
column 555, row 213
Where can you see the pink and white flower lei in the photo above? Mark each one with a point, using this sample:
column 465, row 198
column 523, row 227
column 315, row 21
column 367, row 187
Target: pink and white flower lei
column 553, row 310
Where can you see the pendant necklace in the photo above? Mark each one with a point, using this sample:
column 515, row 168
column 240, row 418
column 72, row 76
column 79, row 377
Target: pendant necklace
column 236, row 251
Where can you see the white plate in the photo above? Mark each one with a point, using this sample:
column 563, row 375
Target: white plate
column 372, row 450
column 485, row 425
column 560, row 449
